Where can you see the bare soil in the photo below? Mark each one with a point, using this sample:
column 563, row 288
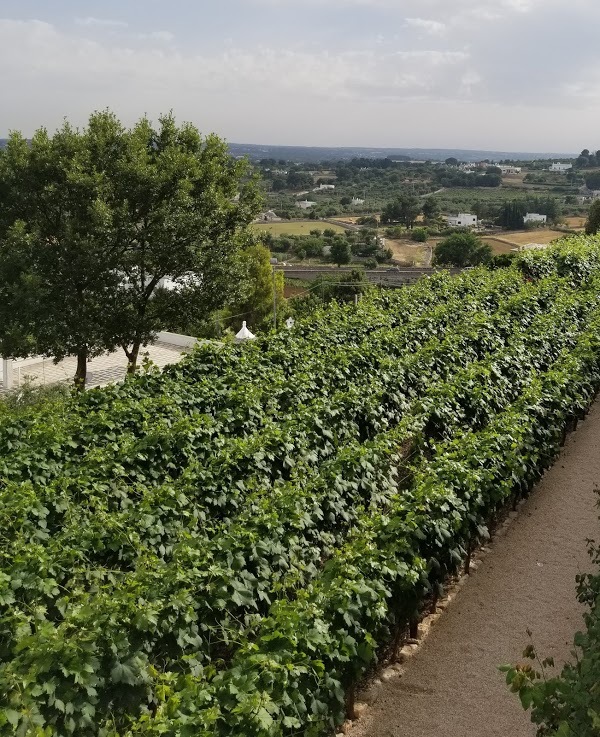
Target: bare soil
column 410, row 253
column 452, row 686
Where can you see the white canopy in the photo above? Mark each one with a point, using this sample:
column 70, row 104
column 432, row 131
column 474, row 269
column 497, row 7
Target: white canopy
column 244, row 334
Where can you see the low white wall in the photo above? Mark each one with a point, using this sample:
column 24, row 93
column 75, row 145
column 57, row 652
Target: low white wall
column 184, row 341
column 9, row 364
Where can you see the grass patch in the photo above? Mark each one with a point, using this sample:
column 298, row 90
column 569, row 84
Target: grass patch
column 295, row 228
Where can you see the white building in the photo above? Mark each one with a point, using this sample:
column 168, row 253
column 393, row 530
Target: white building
column 508, row 169
column 322, row 187
column 535, row 217
column 557, row 166
column 462, row 220
column 305, row 204
column 268, row 217
column 357, row 201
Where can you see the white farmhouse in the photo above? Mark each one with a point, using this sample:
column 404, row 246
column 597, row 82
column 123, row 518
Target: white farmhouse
column 557, row 166
column 305, row 204
column 509, row 169
column 357, row 201
column 535, row 217
column 462, row 220
column 323, row 187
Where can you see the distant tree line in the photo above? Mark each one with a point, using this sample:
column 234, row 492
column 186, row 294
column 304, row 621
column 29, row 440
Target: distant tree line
column 587, row 159
column 339, row 248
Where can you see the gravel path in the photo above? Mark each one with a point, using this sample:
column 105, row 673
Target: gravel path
column 451, row 687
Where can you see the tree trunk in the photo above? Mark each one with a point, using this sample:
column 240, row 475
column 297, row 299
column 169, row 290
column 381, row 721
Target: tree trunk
column 132, row 356
column 81, row 372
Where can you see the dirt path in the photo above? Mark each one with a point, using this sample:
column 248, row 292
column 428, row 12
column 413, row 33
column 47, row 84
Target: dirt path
column 451, row 687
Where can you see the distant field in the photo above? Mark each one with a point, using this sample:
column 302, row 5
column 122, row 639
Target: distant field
column 576, row 222
column 513, row 180
column 531, row 236
column 499, row 247
column 352, row 219
column 410, row 253
column 505, row 242
column 295, row 228
column 487, row 194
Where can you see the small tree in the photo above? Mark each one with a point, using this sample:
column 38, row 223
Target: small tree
column 592, row 225
column 256, row 307
column 592, row 181
column 340, row 252
column 431, row 208
column 420, row 235
column 462, row 249
column 404, row 209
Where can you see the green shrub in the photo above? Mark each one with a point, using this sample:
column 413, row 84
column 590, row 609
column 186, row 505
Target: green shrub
column 420, row 235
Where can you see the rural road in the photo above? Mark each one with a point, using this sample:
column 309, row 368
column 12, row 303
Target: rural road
column 451, row 686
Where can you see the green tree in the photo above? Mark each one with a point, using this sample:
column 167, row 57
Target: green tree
column 512, row 214
column 592, row 181
column 462, row 249
column 451, row 161
column 340, row 252
column 58, row 260
column 405, row 209
column 592, row 225
column 431, row 208
column 420, row 235
column 101, row 218
column 256, row 306
column 299, row 180
column 278, row 184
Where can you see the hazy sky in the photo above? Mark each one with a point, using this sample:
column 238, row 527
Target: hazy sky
column 497, row 74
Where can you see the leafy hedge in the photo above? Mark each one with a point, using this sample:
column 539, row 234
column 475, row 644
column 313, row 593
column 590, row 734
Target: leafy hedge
column 226, row 547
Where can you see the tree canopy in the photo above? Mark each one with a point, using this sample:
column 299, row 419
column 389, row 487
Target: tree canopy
column 592, row 225
column 95, row 223
column 340, row 252
column 592, row 181
column 405, row 209
column 462, row 249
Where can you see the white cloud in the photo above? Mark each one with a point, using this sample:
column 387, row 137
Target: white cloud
column 394, row 79
column 429, row 26
column 163, row 36
column 51, row 58
column 102, row 22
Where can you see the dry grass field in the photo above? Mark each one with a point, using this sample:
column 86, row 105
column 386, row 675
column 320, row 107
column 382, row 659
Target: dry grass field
column 514, row 180
column 295, row 228
column 520, row 237
column 499, row 246
column 576, row 222
column 409, row 253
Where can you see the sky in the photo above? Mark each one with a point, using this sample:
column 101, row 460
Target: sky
column 514, row 75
